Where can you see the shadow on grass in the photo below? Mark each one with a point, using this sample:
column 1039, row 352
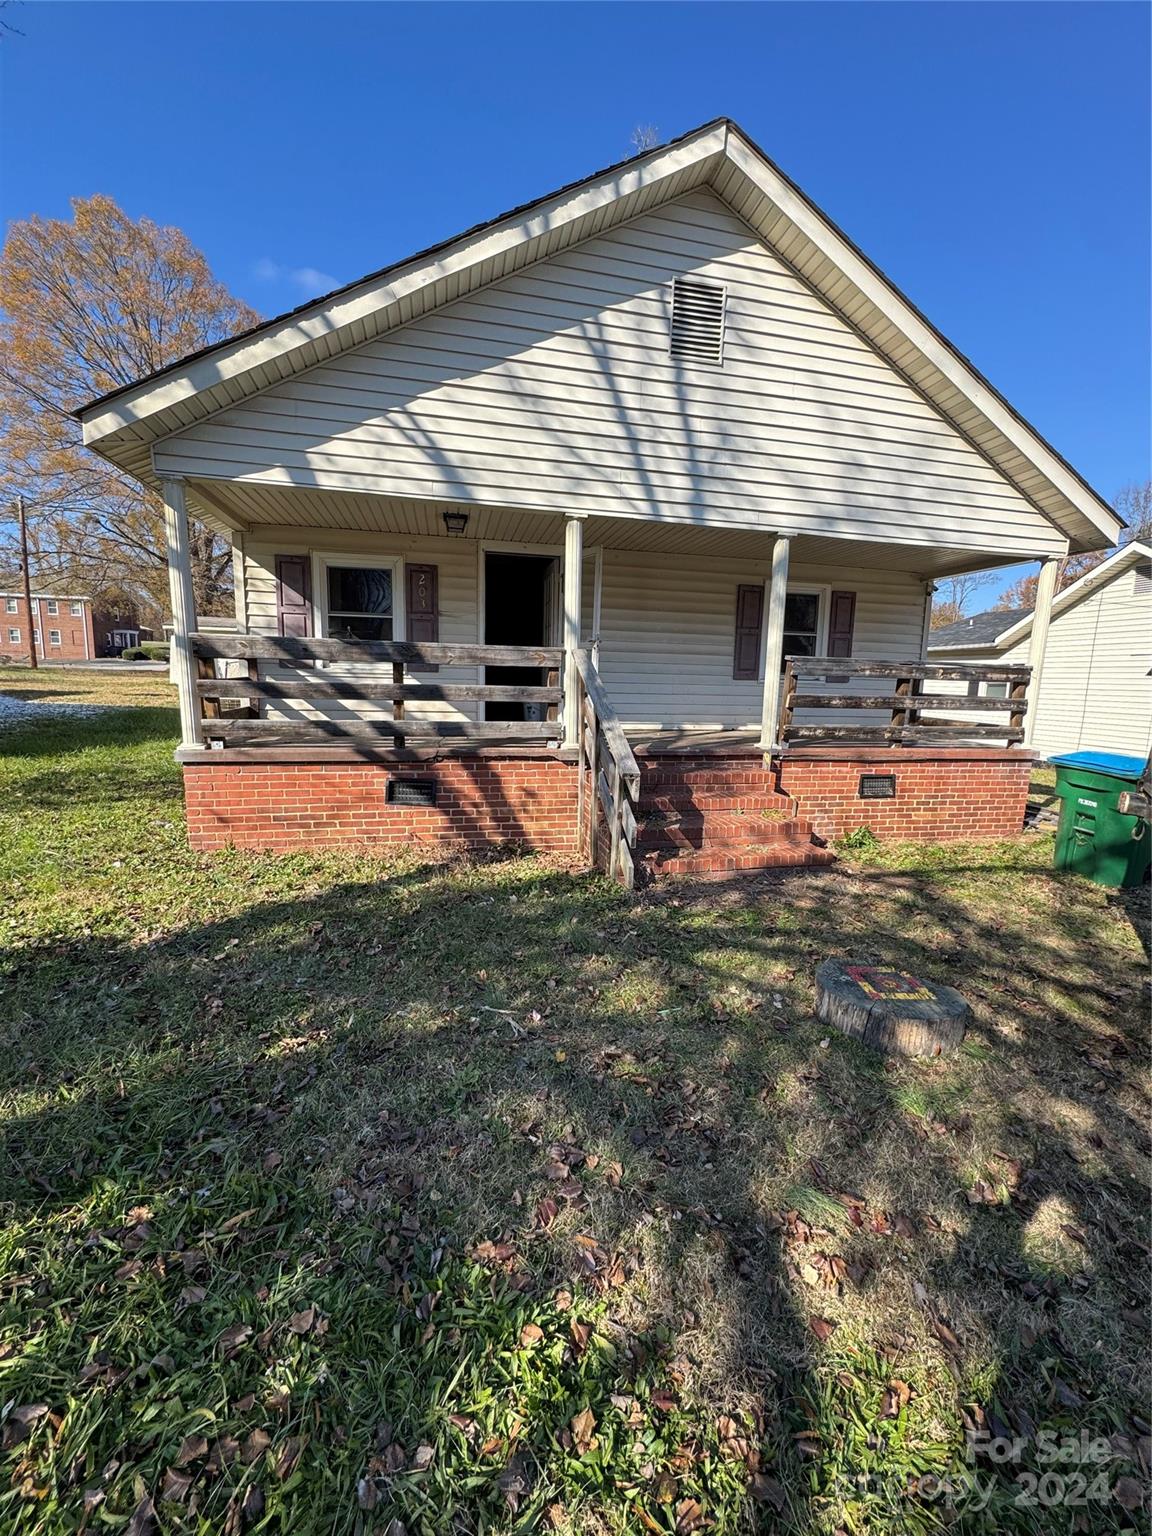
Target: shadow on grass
column 336, row 1101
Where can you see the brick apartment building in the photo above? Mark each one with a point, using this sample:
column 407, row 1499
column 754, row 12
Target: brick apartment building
column 61, row 628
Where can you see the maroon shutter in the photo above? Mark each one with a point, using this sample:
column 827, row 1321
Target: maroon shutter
column 749, row 620
column 293, row 595
column 422, row 618
column 841, row 620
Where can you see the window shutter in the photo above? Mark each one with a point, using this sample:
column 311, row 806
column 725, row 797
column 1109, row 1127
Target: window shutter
column 749, row 621
column 841, row 621
column 422, row 614
column 294, row 595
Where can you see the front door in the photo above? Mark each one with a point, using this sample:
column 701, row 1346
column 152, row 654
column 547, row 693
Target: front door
column 522, row 606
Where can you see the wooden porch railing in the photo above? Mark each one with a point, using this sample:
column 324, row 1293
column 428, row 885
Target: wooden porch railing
column 906, row 702
column 608, row 777
column 298, row 681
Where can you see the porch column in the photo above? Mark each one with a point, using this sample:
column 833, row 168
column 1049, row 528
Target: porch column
column 1041, row 618
column 573, row 570
column 775, row 591
column 183, row 607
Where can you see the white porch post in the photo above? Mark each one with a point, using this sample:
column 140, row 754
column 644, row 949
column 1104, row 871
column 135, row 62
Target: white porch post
column 573, row 570
column 183, row 607
column 775, row 591
column 1041, row 618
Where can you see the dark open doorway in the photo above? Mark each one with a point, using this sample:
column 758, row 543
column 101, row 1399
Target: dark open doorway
column 521, row 607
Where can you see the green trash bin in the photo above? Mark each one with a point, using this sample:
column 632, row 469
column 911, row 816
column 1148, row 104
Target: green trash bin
column 1095, row 838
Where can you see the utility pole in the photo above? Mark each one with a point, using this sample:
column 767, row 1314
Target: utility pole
column 27, row 580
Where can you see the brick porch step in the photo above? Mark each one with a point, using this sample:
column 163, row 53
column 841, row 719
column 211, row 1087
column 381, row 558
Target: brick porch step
column 731, row 863
column 679, row 799
column 722, row 828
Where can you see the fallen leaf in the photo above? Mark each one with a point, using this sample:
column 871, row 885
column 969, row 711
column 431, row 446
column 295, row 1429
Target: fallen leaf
column 583, row 1431
column 301, row 1322
column 531, row 1333
column 255, row 1445
column 423, row 1456
column 238, row 1220
column 580, row 1333
column 766, row 1490
column 821, row 1327
column 546, row 1212
column 689, row 1516
column 1128, row 1493
column 231, row 1340
column 192, row 1448
column 143, row 1521
column 289, row 1456
column 176, row 1486
column 897, row 1395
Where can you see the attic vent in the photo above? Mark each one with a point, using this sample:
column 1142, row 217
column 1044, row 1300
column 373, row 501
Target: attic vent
column 697, row 321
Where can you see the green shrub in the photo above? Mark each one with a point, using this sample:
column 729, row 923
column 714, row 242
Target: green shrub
column 133, row 653
column 156, row 650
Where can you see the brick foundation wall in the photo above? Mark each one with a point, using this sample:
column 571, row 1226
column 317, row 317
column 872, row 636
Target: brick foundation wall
column 941, row 794
column 481, row 801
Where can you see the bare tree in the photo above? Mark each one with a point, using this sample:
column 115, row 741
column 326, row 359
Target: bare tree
column 644, row 136
column 953, row 595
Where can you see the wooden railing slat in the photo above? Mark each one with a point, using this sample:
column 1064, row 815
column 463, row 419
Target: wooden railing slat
column 313, row 686
column 841, row 666
column 268, row 732
column 292, row 649
column 886, row 701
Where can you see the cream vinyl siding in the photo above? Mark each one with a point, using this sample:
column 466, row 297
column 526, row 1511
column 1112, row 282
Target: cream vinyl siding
column 1095, row 690
column 667, row 625
column 554, row 389
column 1095, row 693
column 669, row 630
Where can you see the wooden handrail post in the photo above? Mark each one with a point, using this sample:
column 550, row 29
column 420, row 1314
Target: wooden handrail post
column 787, row 695
column 398, row 704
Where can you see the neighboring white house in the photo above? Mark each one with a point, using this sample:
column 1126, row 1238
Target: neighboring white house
column 1096, row 687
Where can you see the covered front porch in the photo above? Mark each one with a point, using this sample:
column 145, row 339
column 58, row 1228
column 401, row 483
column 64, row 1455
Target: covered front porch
column 371, row 653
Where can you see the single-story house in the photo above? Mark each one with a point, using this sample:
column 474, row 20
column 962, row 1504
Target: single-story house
column 58, row 624
column 526, row 524
column 1096, row 691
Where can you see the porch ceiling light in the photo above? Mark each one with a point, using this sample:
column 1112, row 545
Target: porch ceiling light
column 456, row 524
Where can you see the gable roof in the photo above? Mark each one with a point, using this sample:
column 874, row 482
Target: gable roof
column 979, row 631
column 1008, row 626
column 123, row 424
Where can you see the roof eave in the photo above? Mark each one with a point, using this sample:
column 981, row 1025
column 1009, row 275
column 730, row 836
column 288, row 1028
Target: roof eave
column 115, row 424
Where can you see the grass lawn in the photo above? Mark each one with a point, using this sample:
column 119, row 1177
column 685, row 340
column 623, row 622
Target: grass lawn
column 359, row 1194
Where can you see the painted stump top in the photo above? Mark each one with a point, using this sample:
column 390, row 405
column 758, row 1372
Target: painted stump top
column 890, row 1009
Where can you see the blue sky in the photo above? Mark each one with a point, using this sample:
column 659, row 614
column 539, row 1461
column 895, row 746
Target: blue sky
column 992, row 158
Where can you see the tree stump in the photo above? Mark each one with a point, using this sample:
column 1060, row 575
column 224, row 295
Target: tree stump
column 890, row 1010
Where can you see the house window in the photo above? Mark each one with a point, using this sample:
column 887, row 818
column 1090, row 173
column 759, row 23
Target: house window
column 995, row 690
column 801, row 625
column 53, row 637
column 11, row 605
column 13, row 637
column 36, row 638
column 76, row 609
column 53, row 607
column 360, row 602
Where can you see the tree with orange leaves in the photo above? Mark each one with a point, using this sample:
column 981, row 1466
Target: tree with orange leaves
column 90, row 304
column 1134, row 504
